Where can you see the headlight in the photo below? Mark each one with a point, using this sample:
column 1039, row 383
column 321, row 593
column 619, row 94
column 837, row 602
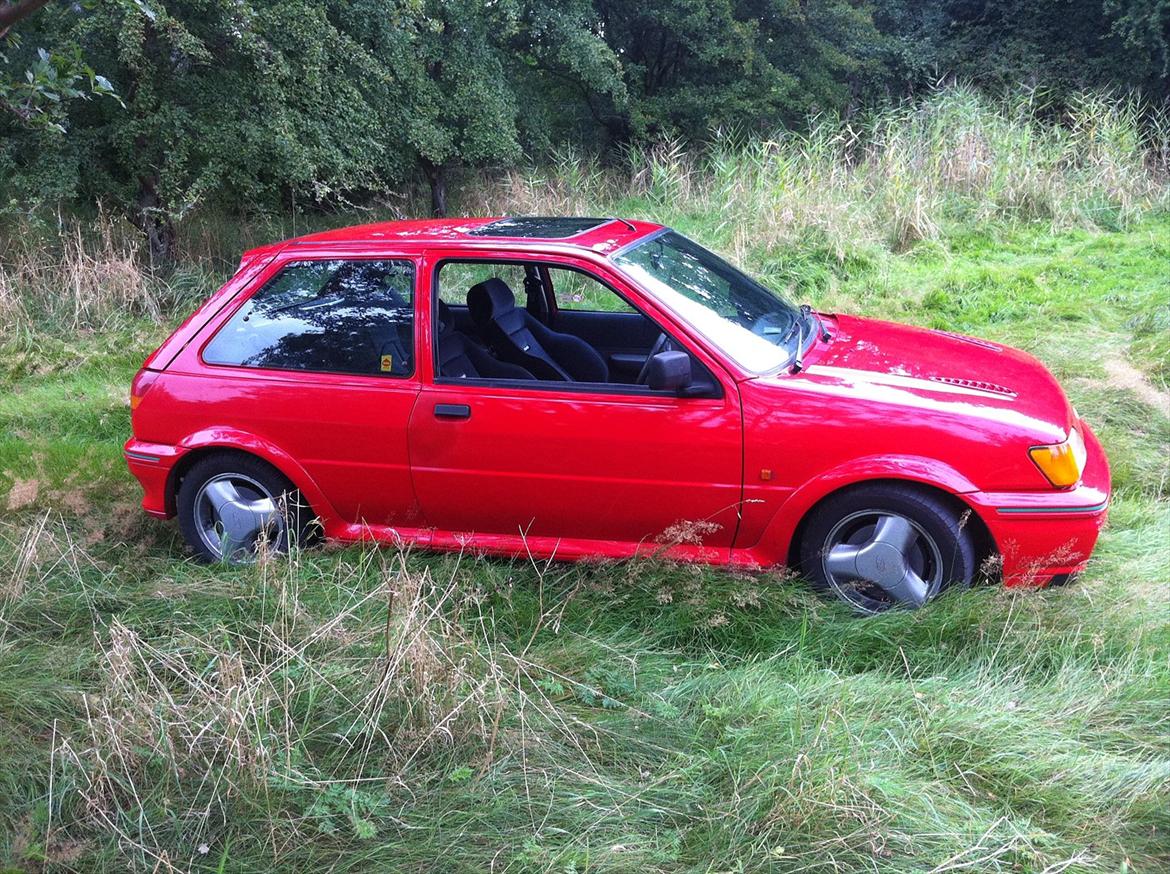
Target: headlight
column 1061, row 463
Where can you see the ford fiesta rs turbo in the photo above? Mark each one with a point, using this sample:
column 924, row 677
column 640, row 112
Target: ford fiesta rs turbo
column 576, row 387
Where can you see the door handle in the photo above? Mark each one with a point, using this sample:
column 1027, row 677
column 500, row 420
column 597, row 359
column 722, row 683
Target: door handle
column 452, row 411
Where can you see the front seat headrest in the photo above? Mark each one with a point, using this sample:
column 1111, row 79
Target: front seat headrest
column 489, row 300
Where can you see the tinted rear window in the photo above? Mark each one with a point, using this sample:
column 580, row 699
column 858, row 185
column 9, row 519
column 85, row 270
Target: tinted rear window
column 333, row 316
column 536, row 227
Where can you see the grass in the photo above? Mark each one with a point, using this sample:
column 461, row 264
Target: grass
column 369, row 710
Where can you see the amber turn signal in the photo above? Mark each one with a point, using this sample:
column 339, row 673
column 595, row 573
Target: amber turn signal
column 143, row 380
column 1061, row 463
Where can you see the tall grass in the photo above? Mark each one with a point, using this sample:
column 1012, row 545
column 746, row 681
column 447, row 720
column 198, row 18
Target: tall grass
column 853, row 188
column 890, row 179
column 316, row 709
column 372, row 711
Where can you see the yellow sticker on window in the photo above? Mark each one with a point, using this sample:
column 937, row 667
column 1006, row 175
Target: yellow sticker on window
column 387, row 363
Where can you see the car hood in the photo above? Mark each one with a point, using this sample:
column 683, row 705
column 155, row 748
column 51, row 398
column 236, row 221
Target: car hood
column 936, row 371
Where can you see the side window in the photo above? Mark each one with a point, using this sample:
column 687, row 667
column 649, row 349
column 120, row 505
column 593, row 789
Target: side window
column 331, row 316
column 501, row 333
column 457, row 277
column 579, row 291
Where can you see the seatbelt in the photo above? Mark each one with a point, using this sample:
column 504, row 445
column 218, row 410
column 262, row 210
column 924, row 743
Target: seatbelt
column 534, row 301
column 550, row 297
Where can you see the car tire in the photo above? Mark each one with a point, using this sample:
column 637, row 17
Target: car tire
column 227, row 502
column 852, row 542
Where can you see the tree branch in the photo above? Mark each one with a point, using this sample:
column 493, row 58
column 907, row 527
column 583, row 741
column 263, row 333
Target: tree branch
column 12, row 11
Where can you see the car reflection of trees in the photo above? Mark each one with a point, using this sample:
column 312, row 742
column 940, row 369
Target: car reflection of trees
column 351, row 326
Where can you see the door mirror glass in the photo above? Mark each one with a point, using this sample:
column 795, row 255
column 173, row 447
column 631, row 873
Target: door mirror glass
column 669, row 371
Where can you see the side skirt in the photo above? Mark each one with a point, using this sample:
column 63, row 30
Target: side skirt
column 522, row 546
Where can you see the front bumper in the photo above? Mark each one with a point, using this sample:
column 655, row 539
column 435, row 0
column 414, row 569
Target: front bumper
column 151, row 464
column 1046, row 534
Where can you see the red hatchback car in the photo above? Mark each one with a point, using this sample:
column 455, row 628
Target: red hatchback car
column 577, row 387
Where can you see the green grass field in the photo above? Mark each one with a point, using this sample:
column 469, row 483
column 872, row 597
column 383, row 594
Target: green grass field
column 364, row 710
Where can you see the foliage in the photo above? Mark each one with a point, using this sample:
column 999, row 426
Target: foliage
column 51, row 80
column 747, row 65
column 272, row 105
column 1057, row 45
column 243, row 103
column 471, row 66
column 38, row 97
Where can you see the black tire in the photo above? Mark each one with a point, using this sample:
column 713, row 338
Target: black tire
column 943, row 552
column 295, row 523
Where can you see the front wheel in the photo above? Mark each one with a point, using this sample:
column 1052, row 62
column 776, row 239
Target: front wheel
column 879, row 546
column 232, row 505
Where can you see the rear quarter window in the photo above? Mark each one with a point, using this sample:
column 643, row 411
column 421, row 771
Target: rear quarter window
column 336, row 316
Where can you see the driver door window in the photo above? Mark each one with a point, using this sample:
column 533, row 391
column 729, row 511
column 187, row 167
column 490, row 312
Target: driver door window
column 579, row 292
column 540, row 322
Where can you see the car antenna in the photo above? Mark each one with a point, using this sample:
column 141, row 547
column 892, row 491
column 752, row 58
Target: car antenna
column 630, row 225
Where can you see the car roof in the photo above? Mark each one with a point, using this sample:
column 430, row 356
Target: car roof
column 600, row 235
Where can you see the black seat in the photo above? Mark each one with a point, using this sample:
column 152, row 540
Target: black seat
column 519, row 338
column 462, row 358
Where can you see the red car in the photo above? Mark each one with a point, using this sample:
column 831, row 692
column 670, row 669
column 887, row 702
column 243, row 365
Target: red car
column 577, row 387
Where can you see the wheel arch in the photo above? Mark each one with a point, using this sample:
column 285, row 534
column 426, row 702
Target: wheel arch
column 781, row 535
column 985, row 545
column 200, row 446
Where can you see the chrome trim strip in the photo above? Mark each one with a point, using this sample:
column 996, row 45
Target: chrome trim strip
column 141, row 456
column 1040, row 511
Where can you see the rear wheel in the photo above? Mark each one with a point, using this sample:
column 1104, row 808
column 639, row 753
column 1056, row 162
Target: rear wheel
column 885, row 545
column 232, row 505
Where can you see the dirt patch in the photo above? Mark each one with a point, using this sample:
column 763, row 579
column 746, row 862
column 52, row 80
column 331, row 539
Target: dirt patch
column 122, row 522
column 75, row 500
column 28, row 854
column 1122, row 374
column 23, row 494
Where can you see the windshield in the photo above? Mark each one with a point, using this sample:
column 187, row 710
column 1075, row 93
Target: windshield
column 752, row 325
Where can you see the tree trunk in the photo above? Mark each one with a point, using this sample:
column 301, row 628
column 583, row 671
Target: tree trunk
column 150, row 216
column 437, row 177
column 161, row 239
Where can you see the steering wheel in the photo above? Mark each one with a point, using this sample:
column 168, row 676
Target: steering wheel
column 662, row 344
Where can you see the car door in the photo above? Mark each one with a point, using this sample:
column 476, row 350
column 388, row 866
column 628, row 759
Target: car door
column 586, row 462
column 319, row 365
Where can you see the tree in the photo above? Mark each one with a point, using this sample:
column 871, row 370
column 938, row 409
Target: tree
column 247, row 103
column 462, row 107
column 12, row 11
column 38, row 94
column 1059, row 45
column 1144, row 27
column 473, row 61
column 693, row 65
column 260, row 103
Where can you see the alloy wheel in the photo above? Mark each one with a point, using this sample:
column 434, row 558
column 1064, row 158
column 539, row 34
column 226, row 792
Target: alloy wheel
column 234, row 513
column 875, row 559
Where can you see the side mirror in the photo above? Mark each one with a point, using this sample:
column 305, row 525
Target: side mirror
column 669, row 371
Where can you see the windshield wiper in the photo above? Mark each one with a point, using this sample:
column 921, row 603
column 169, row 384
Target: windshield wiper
column 798, row 361
column 794, row 325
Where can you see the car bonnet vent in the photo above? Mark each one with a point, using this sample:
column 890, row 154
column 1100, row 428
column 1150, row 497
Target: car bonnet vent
column 977, row 384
